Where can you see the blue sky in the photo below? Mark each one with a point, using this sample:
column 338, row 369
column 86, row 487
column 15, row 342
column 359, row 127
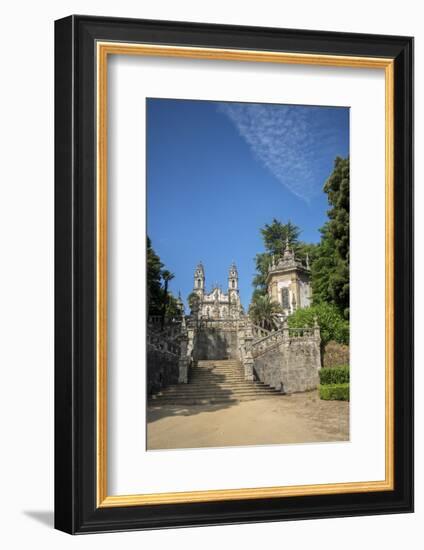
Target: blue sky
column 217, row 172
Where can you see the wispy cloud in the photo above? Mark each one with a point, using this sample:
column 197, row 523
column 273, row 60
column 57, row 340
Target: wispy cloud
column 288, row 140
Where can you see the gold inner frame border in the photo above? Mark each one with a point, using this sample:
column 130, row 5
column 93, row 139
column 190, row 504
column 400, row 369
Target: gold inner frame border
column 103, row 50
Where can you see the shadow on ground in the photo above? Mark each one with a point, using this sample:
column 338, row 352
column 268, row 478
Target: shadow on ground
column 157, row 410
column 46, row 517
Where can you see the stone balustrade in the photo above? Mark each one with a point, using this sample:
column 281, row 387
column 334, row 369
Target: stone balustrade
column 287, row 359
column 274, row 338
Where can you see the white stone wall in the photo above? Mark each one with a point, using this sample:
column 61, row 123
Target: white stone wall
column 217, row 297
column 305, row 294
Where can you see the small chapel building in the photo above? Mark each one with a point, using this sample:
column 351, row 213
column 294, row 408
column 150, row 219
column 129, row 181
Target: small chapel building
column 288, row 281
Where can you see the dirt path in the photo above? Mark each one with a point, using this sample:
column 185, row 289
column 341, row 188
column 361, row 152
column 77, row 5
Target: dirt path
column 299, row 418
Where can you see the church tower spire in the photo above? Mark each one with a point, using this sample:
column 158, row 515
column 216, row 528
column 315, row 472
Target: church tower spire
column 233, row 277
column 233, row 292
column 199, row 280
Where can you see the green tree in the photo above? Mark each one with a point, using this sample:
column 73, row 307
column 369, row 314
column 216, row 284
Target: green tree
column 333, row 326
column 275, row 236
column 262, row 261
column 194, row 303
column 160, row 302
column 330, row 268
column 167, row 276
column 154, row 279
column 172, row 310
column 264, row 312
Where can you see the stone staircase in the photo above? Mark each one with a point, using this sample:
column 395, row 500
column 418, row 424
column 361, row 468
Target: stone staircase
column 211, row 382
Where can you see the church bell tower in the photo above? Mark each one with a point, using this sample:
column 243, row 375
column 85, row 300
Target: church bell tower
column 199, row 280
column 233, row 278
column 233, row 291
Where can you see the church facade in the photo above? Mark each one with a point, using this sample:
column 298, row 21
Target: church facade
column 217, row 304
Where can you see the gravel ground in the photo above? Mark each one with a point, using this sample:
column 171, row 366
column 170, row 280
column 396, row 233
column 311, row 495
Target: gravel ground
column 298, row 418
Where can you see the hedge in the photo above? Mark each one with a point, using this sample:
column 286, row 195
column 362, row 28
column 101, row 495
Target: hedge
column 334, row 392
column 334, row 375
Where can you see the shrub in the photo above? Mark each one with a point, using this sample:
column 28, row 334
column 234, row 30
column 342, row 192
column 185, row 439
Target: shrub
column 335, row 354
column 334, row 392
column 332, row 324
column 334, row 375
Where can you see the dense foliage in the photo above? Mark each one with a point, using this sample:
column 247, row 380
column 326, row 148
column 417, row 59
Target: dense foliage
column 334, row 375
column 194, row 303
column 330, row 266
column 276, row 234
column 334, row 392
column 154, row 281
column 264, row 312
column 160, row 301
column 331, row 322
column 275, row 237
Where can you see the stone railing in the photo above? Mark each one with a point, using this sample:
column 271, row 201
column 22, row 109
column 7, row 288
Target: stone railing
column 172, row 347
column 275, row 338
column 155, row 321
column 160, row 342
column 219, row 324
column 259, row 332
column 287, row 359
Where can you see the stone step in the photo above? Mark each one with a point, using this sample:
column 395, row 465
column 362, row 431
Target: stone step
column 214, row 367
column 199, row 389
column 206, row 401
column 204, row 371
column 205, row 377
column 218, row 362
column 216, row 374
column 220, row 381
column 212, row 393
column 216, row 380
column 230, row 383
column 222, row 384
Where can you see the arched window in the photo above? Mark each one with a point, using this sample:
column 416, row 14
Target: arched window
column 285, row 300
column 199, row 283
column 233, row 284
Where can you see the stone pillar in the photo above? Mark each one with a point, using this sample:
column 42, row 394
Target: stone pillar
column 183, row 362
column 241, row 342
column 186, row 356
column 286, row 333
column 317, row 334
column 317, row 338
column 183, row 366
column 248, row 361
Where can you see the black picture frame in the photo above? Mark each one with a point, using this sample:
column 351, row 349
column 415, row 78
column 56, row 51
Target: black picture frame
column 76, row 510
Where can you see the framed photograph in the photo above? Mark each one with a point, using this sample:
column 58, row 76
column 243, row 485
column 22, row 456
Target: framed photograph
column 234, row 274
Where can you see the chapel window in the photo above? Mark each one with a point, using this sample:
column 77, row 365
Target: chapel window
column 285, row 301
